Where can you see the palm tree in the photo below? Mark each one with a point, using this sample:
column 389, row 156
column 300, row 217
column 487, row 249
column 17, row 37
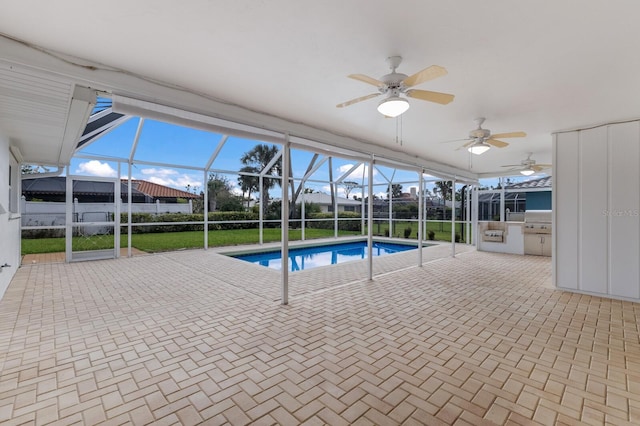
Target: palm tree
column 259, row 157
column 248, row 182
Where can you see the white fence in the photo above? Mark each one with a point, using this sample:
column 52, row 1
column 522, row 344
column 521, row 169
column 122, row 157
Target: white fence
column 44, row 213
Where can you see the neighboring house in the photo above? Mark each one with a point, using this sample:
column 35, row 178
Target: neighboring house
column 534, row 194
column 324, row 201
column 536, row 191
column 54, row 189
column 161, row 193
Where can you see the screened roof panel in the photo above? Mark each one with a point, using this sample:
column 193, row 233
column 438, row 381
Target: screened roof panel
column 188, row 147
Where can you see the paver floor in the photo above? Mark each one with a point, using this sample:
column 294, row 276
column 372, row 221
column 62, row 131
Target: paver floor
column 195, row 337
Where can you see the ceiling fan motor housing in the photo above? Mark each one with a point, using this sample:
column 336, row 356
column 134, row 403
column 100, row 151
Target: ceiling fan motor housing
column 479, row 134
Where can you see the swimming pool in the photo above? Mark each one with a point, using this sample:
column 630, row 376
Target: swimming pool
column 321, row 255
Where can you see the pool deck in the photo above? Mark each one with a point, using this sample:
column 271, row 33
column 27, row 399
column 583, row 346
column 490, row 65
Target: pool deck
column 194, row 337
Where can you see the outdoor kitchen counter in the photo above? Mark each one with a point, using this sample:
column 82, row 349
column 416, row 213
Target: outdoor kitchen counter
column 501, row 237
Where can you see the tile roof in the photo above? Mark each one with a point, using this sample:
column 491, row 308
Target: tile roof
column 543, row 182
column 160, row 191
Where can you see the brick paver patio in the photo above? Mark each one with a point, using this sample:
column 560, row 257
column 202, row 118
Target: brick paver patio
column 195, row 337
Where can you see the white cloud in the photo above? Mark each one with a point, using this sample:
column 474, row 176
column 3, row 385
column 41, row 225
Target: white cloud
column 96, row 168
column 357, row 174
column 172, row 178
column 159, row 172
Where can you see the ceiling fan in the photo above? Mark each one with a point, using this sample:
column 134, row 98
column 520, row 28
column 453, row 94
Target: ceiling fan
column 528, row 166
column 481, row 140
column 395, row 84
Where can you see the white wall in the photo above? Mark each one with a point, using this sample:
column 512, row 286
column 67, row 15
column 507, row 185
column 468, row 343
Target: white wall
column 9, row 227
column 596, row 190
column 45, row 213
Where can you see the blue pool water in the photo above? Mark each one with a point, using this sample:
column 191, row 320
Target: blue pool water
column 331, row 254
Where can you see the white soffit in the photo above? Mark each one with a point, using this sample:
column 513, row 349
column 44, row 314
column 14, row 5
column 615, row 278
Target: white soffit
column 33, row 111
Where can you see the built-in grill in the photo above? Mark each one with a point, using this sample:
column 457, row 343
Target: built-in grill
column 537, row 232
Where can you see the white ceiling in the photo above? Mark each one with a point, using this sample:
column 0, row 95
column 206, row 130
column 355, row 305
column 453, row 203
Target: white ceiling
column 537, row 66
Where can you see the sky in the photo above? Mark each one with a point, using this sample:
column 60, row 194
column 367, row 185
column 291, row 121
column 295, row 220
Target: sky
column 162, row 144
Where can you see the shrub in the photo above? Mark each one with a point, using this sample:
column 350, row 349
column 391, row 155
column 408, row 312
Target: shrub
column 407, row 232
column 343, row 225
column 232, row 220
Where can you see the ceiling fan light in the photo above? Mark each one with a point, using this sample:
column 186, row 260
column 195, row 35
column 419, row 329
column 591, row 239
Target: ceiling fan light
column 478, row 148
column 527, row 172
column 393, row 106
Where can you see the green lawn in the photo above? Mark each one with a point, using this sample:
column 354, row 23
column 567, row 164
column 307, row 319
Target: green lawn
column 167, row 241
column 442, row 230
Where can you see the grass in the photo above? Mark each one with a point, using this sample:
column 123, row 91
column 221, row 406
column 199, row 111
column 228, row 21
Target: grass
column 167, row 241
column 442, row 230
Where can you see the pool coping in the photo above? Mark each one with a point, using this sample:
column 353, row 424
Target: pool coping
column 271, row 247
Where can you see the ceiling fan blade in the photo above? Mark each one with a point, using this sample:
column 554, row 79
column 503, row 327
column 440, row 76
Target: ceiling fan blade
column 425, row 95
column 356, row 100
column 429, row 73
column 512, row 165
column 466, row 145
column 366, row 79
column 455, row 140
column 509, row 135
column 540, row 167
column 496, row 143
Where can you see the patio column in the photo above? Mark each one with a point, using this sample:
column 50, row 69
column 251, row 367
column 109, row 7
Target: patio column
column 284, row 270
column 260, row 214
column 205, row 210
column 420, row 216
column 502, row 219
column 370, row 222
column 467, row 218
column 303, row 213
column 453, row 217
column 129, row 215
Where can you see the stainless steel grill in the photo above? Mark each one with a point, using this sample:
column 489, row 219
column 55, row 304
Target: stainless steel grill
column 537, row 232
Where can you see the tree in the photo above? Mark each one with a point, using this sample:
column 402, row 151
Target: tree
column 394, row 191
column 442, row 189
column 218, row 187
column 27, row 169
column 259, row 157
column 249, row 183
column 349, row 186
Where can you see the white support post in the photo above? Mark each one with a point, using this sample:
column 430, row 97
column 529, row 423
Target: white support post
column 390, row 196
column 370, row 221
column 303, row 212
column 117, row 201
column 468, row 214
column 69, row 218
column 205, row 210
column 420, row 215
column 129, row 212
column 132, row 154
column 474, row 216
column 260, row 210
column 335, row 210
column 453, row 217
column 502, row 219
column 285, row 224
column 362, row 205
